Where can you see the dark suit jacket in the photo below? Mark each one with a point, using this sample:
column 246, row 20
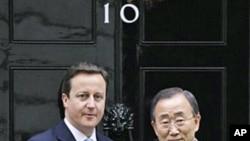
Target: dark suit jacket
column 61, row 133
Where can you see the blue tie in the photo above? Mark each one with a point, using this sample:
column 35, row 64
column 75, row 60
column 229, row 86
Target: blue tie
column 88, row 139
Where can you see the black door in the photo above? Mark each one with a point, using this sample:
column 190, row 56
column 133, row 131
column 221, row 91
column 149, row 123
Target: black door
column 201, row 46
column 38, row 41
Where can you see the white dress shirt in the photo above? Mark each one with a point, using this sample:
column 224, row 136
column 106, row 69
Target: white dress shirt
column 78, row 135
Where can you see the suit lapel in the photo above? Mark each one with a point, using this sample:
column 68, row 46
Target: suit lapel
column 100, row 137
column 63, row 133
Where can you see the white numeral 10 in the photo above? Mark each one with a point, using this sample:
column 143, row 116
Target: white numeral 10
column 124, row 19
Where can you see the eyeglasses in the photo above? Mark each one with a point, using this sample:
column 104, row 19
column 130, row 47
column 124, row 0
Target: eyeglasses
column 177, row 122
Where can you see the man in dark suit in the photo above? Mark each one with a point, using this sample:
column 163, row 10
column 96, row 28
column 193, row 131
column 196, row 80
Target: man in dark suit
column 83, row 95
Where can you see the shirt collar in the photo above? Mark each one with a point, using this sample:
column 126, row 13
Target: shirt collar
column 78, row 135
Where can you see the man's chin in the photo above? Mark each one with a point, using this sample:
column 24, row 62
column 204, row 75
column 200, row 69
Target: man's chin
column 89, row 124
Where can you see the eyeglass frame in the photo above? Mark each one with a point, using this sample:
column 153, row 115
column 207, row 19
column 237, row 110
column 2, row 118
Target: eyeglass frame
column 175, row 122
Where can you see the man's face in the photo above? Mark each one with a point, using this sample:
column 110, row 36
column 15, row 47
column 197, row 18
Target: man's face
column 174, row 120
column 84, row 107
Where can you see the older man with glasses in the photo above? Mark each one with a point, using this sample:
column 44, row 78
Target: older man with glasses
column 175, row 115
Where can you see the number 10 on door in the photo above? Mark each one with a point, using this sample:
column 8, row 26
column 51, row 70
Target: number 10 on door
column 122, row 15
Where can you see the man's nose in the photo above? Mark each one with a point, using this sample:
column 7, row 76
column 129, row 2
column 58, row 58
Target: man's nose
column 91, row 102
column 173, row 129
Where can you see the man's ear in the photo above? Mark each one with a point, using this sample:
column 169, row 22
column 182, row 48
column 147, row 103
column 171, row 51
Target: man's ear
column 154, row 127
column 65, row 99
column 197, row 121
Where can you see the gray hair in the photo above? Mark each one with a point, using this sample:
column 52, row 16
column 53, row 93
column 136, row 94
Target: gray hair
column 170, row 92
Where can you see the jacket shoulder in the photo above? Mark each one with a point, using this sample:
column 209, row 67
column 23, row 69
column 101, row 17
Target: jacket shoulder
column 44, row 136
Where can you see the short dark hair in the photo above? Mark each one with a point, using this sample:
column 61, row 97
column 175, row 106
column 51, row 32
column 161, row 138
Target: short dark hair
column 170, row 92
column 81, row 67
